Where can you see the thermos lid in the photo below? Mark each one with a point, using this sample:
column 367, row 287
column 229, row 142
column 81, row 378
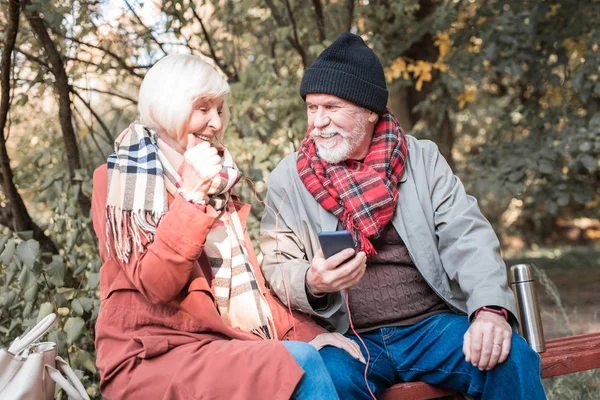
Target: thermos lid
column 520, row 273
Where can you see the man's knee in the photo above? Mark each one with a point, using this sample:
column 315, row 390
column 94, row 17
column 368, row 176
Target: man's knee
column 521, row 357
column 341, row 365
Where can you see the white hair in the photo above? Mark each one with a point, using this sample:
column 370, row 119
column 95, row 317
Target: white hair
column 172, row 86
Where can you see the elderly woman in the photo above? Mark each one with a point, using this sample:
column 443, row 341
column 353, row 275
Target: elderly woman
column 184, row 310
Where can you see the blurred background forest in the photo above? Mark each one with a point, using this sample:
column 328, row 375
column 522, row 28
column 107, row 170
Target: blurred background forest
column 509, row 90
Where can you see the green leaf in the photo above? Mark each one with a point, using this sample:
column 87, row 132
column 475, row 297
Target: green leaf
column 68, row 293
column 551, row 207
column 78, row 269
column 545, row 166
column 86, row 303
column 29, row 253
column 582, row 198
column 7, row 299
column 7, row 254
column 84, row 359
column 516, row 176
column 28, row 283
column 586, row 146
column 93, row 280
column 25, row 235
column 55, row 271
column 589, row 162
column 58, row 337
column 45, row 309
column 563, row 199
column 73, row 329
column 77, row 307
column 10, row 273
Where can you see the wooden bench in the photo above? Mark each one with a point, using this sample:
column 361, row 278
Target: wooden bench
column 562, row 356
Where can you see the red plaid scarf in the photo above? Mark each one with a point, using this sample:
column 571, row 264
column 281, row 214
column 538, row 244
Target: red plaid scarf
column 362, row 194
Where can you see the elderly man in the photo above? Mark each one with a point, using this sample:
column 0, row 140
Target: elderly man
column 426, row 289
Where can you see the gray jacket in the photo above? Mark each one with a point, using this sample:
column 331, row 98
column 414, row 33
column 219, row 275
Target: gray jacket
column 450, row 241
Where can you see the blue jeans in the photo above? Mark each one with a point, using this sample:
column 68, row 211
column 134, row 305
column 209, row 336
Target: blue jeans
column 431, row 351
column 316, row 382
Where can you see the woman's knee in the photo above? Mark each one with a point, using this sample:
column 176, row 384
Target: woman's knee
column 306, row 355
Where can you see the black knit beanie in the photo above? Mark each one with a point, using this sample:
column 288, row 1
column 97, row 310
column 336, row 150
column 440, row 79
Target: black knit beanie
column 348, row 69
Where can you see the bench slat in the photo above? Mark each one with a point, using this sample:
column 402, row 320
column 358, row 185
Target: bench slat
column 559, row 342
column 570, row 349
column 415, row 390
column 563, row 356
column 563, row 364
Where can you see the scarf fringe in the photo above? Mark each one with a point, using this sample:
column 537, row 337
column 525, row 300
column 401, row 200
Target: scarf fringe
column 266, row 332
column 129, row 230
column 361, row 241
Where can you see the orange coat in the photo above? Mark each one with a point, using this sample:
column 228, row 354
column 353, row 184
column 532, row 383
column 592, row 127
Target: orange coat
column 159, row 334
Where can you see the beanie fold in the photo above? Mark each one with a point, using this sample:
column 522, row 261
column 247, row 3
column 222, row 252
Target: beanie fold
column 345, row 86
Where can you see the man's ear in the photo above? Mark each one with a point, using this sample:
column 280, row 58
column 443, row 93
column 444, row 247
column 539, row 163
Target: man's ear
column 373, row 117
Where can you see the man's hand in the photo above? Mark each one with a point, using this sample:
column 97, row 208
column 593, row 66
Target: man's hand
column 330, row 275
column 487, row 342
column 340, row 341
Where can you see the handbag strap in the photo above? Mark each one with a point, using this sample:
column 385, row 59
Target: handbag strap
column 71, row 384
column 34, row 334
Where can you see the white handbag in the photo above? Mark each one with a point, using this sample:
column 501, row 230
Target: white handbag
column 29, row 369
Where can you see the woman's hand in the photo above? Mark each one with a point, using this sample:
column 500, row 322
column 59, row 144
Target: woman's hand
column 202, row 165
column 340, row 341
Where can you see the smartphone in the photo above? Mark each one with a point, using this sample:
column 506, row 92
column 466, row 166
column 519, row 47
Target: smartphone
column 335, row 241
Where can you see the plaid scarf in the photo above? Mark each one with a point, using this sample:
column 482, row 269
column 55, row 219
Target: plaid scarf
column 362, row 194
column 139, row 178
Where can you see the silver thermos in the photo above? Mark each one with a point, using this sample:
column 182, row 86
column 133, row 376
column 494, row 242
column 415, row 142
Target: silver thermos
column 522, row 282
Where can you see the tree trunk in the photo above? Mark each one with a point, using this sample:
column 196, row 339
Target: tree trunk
column 61, row 87
column 403, row 101
column 16, row 215
column 399, row 105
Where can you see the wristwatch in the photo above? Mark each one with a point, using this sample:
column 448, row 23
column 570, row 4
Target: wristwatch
column 493, row 309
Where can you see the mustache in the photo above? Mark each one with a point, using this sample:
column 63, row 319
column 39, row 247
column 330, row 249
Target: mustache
column 328, row 131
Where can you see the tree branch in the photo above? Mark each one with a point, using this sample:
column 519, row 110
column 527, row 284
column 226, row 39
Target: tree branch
column 91, row 131
column 320, row 19
column 33, row 58
column 119, row 60
column 295, row 31
column 281, row 23
column 139, row 20
column 224, row 68
column 16, row 217
column 275, row 12
column 108, row 92
column 61, row 86
column 349, row 15
column 109, row 138
column 274, row 60
column 21, row 219
column 6, row 217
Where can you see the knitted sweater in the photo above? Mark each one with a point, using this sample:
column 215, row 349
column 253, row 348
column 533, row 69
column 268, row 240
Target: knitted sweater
column 392, row 292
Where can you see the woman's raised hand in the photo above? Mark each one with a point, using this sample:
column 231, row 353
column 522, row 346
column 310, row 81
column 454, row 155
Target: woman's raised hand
column 202, row 165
